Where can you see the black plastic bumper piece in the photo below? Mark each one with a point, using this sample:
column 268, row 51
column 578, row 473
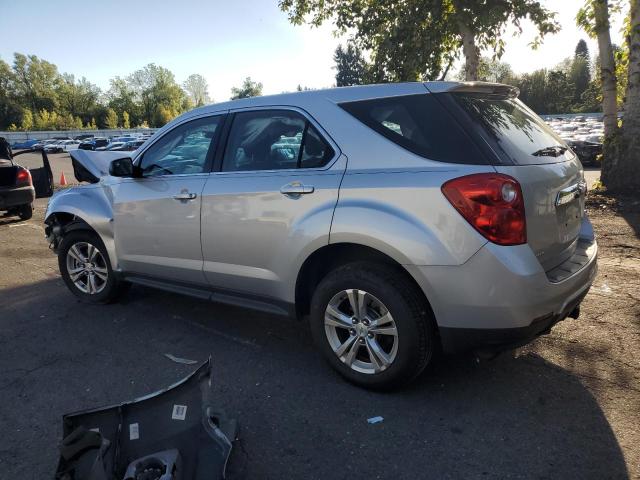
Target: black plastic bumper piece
column 16, row 196
column 494, row 340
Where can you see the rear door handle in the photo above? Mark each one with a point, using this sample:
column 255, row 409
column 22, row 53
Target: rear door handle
column 185, row 196
column 296, row 188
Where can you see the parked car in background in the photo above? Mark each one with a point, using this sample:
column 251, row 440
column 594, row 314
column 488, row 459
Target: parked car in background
column 401, row 219
column 24, row 144
column 93, row 143
column 55, row 147
column 112, row 146
column 127, row 146
column 69, row 145
column 19, row 186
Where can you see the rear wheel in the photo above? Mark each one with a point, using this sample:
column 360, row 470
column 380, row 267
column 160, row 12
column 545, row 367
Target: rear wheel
column 373, row 325
column 25, row 212
column 85, row 268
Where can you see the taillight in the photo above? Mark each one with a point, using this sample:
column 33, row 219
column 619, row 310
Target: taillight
column 492, row 203
column 23, row 178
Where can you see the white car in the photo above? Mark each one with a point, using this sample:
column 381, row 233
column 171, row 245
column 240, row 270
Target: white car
column 70, row 145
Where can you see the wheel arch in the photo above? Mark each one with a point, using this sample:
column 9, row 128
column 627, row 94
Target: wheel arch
column 323, row 260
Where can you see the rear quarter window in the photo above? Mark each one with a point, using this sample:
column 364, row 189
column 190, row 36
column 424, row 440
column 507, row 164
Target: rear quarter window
column 419, row 124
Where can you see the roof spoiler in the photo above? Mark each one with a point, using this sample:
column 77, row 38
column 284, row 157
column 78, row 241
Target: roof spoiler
column 487, row 88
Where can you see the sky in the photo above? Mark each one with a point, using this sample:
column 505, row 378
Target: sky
column 223, row 40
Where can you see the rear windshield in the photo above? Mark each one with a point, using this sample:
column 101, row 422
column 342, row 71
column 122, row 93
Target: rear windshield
column 521, row 135
column 420, row 124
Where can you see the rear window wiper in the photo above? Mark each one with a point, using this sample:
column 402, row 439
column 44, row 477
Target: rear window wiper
column 554, row 151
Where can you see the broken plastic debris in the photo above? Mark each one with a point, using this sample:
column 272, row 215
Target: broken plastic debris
column 373, row 420
column 184, row 361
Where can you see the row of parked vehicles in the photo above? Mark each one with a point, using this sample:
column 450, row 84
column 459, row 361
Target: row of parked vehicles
column 127, row 143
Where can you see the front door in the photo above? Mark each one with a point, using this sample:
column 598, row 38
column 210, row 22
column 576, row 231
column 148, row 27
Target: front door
column 270, row 204
column 157, row 217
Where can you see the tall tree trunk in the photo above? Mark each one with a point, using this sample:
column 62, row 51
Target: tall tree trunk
column 607, row 67
column 631, row 125
column 470, row 51
column 623, row 174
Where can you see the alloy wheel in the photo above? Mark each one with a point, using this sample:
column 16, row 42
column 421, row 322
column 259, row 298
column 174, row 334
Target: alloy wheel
column 87, row 268
column 361, row 331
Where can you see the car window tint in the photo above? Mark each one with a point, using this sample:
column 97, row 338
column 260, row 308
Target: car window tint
column 516, row 129
column 183, row 150
column 316, row 151
column 264, row 140
column 420, row 124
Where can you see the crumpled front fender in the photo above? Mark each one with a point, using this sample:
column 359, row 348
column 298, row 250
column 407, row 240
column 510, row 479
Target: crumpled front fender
column 92, row 204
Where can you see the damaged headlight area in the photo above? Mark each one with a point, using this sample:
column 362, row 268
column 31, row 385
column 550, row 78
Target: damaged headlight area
column 174, row 434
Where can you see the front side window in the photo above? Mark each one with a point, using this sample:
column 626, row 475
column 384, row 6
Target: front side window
column 182, row 151
column 274, row 140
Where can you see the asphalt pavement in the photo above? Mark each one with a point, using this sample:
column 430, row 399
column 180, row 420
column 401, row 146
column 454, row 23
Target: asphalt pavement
column 519, row 416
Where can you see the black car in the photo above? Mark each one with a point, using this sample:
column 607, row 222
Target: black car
column 19, row 186
column 93, row 143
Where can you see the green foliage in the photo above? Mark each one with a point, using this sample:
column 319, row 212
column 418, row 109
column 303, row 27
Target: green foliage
column 60, row 101
column 111, row 120
column 418, row 39
column 27, row 121
column 125, row 120
column 248, row 89
column 196, row 87
column 351, row 66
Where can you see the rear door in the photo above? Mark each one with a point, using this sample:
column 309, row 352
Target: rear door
column 271, row 201
column 550, row 174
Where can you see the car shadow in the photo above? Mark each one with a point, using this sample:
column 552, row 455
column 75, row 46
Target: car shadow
column 516, row 416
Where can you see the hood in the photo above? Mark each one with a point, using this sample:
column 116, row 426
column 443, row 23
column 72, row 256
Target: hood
column 89, row 166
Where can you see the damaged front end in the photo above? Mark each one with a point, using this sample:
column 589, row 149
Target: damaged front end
column 174, row 434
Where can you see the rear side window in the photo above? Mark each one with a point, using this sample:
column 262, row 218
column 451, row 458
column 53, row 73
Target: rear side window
column 274, row 140
column 521, row 134
column 420, row 124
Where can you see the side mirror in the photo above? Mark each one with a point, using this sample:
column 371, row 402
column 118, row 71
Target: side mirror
column 123, row 167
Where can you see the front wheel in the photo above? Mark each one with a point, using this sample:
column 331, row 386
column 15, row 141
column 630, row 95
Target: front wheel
column 373, row 325
column 85, row 268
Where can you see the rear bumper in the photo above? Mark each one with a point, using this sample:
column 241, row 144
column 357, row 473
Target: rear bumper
column 11, row 197
column 502, row 296
column 456, row 340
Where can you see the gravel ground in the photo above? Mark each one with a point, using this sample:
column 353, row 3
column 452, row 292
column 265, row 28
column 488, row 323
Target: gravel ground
column 566, row 406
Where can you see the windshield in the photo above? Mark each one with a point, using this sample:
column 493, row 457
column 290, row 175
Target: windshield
column 523, row 136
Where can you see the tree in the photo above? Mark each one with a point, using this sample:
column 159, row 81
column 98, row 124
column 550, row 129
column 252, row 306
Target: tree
column 580, row 70
column 594, row 18
column 417, row 39
column 248, row 89
column 620, row 169
column 197, row 89
column 36, row 82
column 27, row 121
column 158, row 94
column 125, row 120
column 351, row 66
column 111, row 119
column 78, row 98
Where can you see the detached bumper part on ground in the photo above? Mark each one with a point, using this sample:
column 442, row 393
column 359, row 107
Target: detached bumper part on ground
column 174, row 434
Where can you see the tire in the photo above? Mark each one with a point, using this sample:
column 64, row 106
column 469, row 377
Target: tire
column 25, row 212
column 104, row 287
column 382, row 289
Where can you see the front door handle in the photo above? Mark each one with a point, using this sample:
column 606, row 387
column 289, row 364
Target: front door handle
column 296, row 188
column 185, row 196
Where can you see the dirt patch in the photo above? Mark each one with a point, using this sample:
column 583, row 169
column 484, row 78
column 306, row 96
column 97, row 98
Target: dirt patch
column 601, row 347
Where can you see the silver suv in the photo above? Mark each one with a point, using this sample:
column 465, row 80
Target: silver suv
column 403, row 219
